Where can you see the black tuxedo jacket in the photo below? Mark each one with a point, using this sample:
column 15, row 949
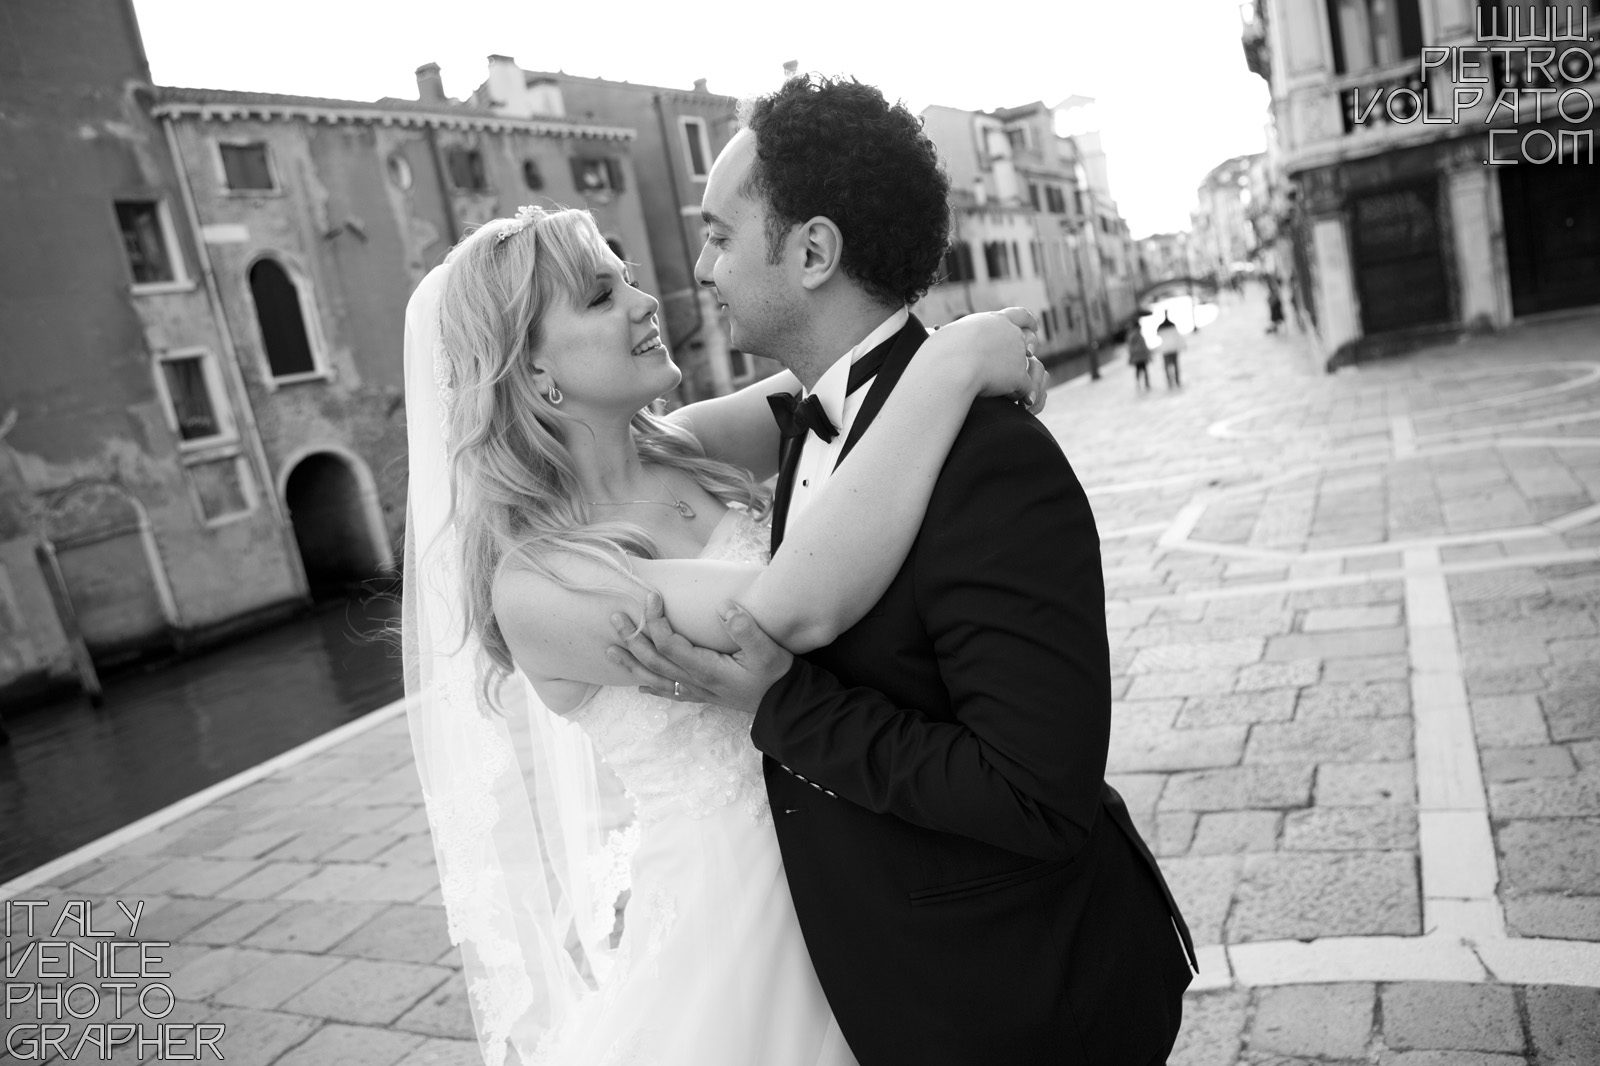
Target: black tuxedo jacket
column 970, row 889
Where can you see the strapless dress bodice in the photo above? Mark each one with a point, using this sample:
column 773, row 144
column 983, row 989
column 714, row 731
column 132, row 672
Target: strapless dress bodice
column 683, row 759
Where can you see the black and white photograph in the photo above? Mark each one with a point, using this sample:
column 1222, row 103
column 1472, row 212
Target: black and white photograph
column 840, row 534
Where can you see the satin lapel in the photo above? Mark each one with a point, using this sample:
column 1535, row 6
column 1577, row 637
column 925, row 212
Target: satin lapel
column 903, row 346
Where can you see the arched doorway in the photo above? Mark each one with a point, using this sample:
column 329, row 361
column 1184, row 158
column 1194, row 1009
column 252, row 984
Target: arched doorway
column 331, row 504
column 110, row 570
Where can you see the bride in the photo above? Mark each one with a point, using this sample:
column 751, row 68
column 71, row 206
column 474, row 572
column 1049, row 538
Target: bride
column 545, row 498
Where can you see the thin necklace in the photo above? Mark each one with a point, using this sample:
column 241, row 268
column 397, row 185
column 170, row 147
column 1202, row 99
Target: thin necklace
column 678, row 505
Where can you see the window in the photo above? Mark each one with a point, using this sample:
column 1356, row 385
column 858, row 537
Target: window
column 596, row 175
column 282, row 321
column 197, row 408
column 1054, row 200
column 400, row 171
column 1373, row 33
column 1016, row 259
column 739, row 366
column 696, row 148
column 1033, row 195
column 150, row 244
column 995, row 259
column 531, row 177
column 1033, row 254
column 223, row 488
column 466, row 169
column 958, row 264
column 246, row 167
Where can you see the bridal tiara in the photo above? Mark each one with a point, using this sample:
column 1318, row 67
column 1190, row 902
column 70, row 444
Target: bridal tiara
column 526, row 216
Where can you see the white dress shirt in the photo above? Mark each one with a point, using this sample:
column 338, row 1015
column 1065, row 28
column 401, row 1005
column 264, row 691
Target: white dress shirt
column 818, row 457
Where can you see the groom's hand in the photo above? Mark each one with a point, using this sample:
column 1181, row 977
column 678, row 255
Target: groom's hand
column 666, row 664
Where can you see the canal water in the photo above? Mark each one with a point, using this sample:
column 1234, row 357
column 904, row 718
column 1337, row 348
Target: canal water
column 73, row 773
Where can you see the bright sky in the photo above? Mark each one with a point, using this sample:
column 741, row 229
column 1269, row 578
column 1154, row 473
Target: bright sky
column 1175, row 98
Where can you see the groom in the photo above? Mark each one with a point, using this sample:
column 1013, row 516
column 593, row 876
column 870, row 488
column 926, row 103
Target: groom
column 970, row 889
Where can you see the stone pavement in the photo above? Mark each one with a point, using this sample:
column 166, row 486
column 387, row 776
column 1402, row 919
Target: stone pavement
column 1355, row 631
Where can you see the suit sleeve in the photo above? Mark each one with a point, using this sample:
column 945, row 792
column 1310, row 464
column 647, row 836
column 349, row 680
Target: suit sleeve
column 1010, row 592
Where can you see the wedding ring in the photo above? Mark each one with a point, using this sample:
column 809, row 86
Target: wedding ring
column 677, row 689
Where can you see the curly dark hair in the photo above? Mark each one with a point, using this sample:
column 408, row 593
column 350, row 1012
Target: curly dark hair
column 836, row 147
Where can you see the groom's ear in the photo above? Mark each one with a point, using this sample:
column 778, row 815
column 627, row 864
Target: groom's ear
column 822, row 245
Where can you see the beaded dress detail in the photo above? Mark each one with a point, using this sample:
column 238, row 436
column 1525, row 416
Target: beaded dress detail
column 683, row 758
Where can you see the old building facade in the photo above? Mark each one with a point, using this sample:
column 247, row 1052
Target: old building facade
column 677, row 134
column 201, row 385
column 1225, row 238
column 131, row 475
column 1030, row 228
column 1439, row 160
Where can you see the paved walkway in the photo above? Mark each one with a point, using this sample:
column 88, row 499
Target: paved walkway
column 1356, row 639
column 1357, row 660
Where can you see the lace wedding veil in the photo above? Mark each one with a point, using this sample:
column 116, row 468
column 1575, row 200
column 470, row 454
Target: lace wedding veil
column 527, row 877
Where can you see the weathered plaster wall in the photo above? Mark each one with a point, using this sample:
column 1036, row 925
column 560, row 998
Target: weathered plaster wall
column 77, row 345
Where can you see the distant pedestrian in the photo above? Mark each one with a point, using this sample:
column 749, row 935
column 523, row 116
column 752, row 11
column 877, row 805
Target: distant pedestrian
column 1138, row 357
column 1171, row 345
column 1274, row 307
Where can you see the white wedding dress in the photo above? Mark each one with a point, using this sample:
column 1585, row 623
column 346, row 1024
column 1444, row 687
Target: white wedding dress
column 711, row 969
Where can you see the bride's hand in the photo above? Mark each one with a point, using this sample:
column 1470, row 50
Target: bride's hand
column 663, row 663
column 990, row 343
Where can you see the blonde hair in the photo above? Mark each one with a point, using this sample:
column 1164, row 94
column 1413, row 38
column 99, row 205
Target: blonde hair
column 516, row 498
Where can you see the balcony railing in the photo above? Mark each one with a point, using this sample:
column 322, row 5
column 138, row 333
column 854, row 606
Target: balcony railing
column 1392, row 99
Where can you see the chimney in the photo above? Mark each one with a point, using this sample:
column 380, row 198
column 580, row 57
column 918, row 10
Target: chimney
column 430, row 85
column 790, row 69
column 507, row 87
column 700, row 86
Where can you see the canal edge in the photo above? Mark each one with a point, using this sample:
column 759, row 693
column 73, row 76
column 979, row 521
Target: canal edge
column 189, row 804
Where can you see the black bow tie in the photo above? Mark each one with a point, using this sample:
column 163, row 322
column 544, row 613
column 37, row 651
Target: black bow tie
column 797, row 417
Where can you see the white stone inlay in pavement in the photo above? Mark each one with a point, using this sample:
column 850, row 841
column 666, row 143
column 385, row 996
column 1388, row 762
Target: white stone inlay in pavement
column 1457, row 866
column 1568, row 418
column 1359, row 958
column 1575, row 519
column 1473, row 920
column 1177, row 533
column 1316, row 574
column 1403, row 436
column 1542, row 962
column 1149, row 529
column 1457, row 848
column 1215, row 972
column 1584, row 374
